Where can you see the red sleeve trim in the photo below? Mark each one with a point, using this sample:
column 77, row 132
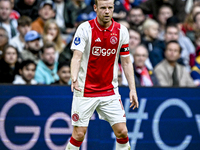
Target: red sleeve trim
column 124, row 53
column 125, row 45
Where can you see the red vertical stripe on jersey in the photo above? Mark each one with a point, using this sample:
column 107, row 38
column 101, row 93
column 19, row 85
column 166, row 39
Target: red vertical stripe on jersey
column 103, row 52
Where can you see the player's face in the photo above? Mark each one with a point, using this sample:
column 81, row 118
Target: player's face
column 64, row 74
column 28, row 72
column 104, row 10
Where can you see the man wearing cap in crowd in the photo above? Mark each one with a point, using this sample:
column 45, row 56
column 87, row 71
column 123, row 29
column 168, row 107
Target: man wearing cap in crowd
column 46, row 11
column 32, row 46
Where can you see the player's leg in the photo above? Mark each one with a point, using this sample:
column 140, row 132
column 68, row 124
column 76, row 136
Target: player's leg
column 77, row 138
column 82, row 110
column 112, row 110
column 121, row 133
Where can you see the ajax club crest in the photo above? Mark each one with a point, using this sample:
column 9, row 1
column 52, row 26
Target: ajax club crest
column 113, row 40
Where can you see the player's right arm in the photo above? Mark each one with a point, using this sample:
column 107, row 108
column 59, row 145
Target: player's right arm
column 78, row 47
column 75, row 66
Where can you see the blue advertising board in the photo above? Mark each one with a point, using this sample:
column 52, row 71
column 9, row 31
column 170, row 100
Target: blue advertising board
column 38, row 118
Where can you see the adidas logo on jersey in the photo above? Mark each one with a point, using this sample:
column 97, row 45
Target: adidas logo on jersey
column 98, row 40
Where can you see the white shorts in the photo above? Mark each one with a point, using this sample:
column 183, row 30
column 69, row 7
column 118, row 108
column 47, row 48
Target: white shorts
column 109, row 108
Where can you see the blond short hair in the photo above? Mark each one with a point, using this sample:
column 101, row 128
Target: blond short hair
column 149, row 23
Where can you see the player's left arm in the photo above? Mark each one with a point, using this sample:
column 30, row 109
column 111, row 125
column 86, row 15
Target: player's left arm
column 129, row 73
column 128, row 66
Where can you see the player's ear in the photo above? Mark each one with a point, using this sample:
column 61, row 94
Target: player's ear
column 95, row 7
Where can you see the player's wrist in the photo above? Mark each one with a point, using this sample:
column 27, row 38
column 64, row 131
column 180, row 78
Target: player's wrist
column 74, row 79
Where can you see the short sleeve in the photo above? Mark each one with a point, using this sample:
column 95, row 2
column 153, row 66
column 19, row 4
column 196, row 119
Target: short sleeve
column 80, row 38
column 124, row 50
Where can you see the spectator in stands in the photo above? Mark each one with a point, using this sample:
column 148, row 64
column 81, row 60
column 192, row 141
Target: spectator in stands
column 9, row 24
column 27, row 73
column 197, row 21
column 125, row 23
column 197, row 41
column 147, row 62
column 164, row 12
column 14, row 14
column 64, row 74
column 52, row 34
column 32, row 46
column 73, row 10
column 46, row 11
column 3, row 39
column 61, row 14
column 27, row 8
column 195, row 71
column 154, row 46
column 143, row 76
column 9, row 65
column 169, row 72
column 119, row 11
column 136, row 17
column 46, row 71
column 24, row 26
column 196, row 27
column 152, row 6
column 171, row 32
column 188, row 49
column 66, row 55
column 134, row 39
column 188, row 26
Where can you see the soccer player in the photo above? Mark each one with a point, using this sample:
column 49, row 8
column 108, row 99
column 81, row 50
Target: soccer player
column 97, row 45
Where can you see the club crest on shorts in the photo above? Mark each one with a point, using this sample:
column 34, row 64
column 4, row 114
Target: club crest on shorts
column 113, row 40
column 75, row 117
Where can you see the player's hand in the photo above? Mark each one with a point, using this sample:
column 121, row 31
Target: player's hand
column 75, row 86
column 133, row 99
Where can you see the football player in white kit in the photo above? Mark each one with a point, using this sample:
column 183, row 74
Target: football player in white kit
column 97, row 45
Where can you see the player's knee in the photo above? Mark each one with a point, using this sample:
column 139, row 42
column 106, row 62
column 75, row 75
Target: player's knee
column 79, row 136
column 122, row 133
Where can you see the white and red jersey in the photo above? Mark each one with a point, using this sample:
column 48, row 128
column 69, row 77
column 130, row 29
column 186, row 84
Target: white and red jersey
column 99, row 65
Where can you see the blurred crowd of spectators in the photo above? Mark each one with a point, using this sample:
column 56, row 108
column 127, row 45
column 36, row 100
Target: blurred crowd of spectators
column 35, row 39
